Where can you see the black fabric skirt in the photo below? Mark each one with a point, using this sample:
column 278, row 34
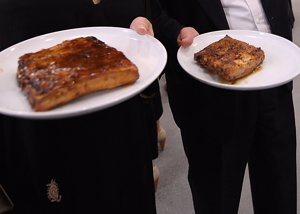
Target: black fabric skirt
column 100, row 162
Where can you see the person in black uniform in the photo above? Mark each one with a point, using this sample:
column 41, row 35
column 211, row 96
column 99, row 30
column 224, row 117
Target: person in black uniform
column 95, row 163
column 224, row 130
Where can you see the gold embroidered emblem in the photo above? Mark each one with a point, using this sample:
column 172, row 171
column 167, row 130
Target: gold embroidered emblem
column 96, row 1
column 53, row 191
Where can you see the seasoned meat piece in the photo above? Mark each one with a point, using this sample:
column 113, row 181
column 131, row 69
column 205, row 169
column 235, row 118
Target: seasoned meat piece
column 230, row 58
column 59, row 74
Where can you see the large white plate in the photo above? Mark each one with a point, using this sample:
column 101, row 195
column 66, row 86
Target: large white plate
column 145, row 51
column 280, row 66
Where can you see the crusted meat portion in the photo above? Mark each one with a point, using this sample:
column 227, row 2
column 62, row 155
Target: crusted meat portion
column 59, row 74
column 230, row 58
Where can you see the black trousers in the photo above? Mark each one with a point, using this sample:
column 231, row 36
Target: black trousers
column 223, row 131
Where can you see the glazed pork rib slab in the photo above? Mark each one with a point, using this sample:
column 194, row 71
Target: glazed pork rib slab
column 230, row 58
column 57, row 75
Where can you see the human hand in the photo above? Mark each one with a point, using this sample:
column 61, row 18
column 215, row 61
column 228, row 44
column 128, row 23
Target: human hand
column 142, row 26
column 186, row 36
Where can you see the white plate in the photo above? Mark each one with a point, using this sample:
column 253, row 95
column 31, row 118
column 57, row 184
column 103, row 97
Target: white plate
column 145, row 51
column 280, row 66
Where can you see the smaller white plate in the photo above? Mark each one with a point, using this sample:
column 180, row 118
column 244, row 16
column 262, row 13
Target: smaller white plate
column 145, row 51
column 280, row 66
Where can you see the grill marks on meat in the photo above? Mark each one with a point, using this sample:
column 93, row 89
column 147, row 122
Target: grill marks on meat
column 59, row 74
column 230, row 58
